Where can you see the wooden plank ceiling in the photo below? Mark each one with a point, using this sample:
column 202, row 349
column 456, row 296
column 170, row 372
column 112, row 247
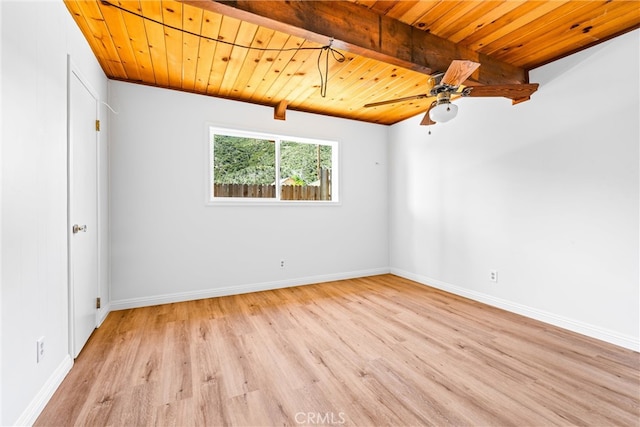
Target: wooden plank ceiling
column 201, row 46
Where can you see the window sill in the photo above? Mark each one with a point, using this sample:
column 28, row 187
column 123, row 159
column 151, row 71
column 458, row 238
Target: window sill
column 259, row 202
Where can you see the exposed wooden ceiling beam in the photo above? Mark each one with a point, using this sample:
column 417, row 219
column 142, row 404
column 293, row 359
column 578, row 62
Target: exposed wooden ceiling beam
column 280, row 110
column 361, row 31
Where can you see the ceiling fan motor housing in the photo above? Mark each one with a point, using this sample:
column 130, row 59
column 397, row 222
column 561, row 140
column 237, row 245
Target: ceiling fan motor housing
column 442, row 88
column 443, row 97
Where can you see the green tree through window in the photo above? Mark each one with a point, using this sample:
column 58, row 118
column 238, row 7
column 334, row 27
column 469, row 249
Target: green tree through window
column 239, row 160
column 304, row 162
column 248, row 166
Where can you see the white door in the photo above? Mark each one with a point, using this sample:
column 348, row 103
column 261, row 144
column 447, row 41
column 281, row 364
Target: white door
column 83, row 222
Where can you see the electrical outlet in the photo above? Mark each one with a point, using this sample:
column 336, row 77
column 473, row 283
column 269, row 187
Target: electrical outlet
column 493, row 275
column 40, row 349
column 281, row 263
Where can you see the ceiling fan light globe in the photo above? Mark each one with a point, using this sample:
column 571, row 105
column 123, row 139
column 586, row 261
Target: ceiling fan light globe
column 443, row 112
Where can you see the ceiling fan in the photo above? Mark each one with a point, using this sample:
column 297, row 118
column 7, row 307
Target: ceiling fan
column 446, row 87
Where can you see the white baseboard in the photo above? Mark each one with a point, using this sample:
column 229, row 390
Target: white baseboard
column 589, row 330
column 102, row 314
column 238, row 289
column 37, row 404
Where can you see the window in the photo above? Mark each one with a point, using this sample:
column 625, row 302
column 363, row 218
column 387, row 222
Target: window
column 259, row 167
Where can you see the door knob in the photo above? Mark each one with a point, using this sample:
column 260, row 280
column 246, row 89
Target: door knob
column 78, row 228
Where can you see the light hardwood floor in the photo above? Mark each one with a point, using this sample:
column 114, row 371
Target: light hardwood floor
column 373, row 351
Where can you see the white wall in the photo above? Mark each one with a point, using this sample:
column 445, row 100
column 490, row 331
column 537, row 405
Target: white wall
column 1, row 137
column 168, row 246
column 36, row 38
column 546, row 192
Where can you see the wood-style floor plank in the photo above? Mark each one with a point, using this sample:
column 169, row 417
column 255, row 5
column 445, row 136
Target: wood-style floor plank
column 380, row 350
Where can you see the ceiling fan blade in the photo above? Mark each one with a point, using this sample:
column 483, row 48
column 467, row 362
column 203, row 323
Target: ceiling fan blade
column 514, row 91
column 397, row 100
column 458, row 72
column 426, row 120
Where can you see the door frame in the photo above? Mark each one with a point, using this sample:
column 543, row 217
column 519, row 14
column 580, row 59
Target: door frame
column 74, row 72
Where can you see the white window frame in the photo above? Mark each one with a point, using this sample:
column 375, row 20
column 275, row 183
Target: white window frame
column 211, row 200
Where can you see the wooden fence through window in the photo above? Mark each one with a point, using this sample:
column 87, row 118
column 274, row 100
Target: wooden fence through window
column 287, row 192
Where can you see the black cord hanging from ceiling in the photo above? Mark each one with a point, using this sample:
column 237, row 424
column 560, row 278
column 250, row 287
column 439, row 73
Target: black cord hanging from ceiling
column 324, row 74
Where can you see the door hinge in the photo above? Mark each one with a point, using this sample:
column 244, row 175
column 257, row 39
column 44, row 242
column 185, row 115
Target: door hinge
column 98, row 125
column 98, row 302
